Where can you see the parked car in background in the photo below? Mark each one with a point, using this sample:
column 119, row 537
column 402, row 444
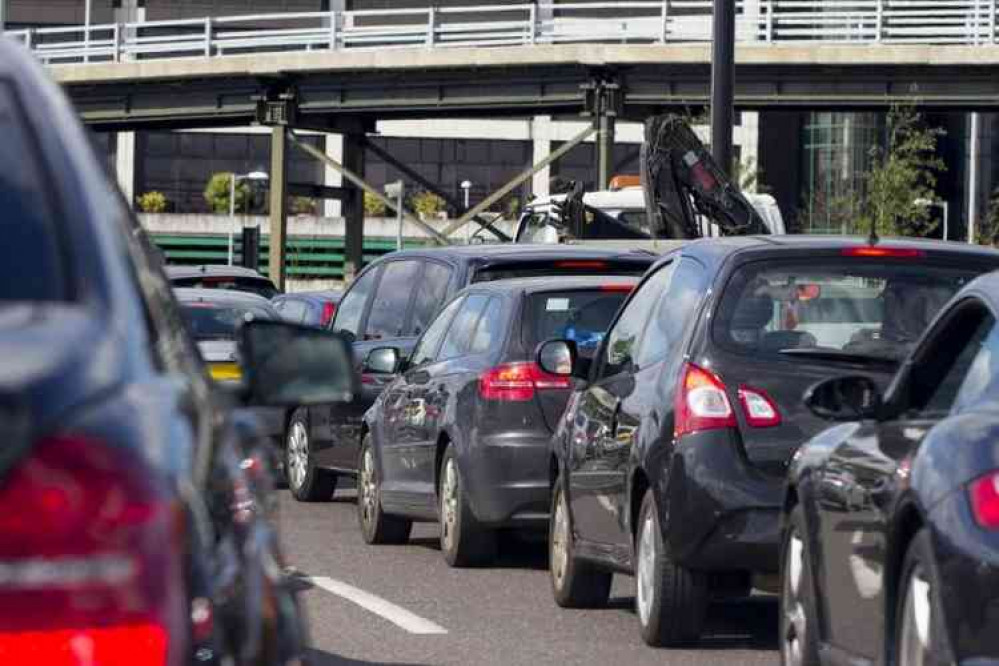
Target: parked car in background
column 312, row 308
column 134, row 526
column 891, row 518
column 391, row 303
column 462, row 434
column 231, row 278
column 672, row 459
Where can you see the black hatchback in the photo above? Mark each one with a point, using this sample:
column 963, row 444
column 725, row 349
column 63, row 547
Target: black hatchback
column 463, row 433
column 673, row 456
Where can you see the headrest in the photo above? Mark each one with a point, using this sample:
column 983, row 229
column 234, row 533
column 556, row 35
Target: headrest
column 752, row 313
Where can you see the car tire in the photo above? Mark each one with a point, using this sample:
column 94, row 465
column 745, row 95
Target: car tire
column 464, row 541
column 919, row 630
column 377, row 527
column 671, row 600
column 306, row 482
column 575, row 583
column 799, row 644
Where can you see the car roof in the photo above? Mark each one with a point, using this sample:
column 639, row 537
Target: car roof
column 534, row 285
column 220, row 297
column 323, row 295
column 212, row 270
column 520, row 252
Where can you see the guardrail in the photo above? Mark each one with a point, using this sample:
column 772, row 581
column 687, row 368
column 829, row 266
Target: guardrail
column 970, row 22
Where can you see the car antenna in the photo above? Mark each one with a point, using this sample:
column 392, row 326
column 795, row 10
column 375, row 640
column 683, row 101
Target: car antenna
column 873, row 239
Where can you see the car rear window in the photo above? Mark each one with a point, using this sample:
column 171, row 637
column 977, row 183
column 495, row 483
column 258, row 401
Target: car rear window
column 579, row 315
column 259, row 286
column 217, row 322
column 835, row 306
column 520, row 269
column 31, row 265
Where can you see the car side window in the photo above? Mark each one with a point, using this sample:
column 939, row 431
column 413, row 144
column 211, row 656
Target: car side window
column 387, row 318
column 426, row 348
column 622, row 342
column 489, row 331
column 351, row 309
column 983, row 373
column 673, row 312
column 430, row 294
column 459, row 336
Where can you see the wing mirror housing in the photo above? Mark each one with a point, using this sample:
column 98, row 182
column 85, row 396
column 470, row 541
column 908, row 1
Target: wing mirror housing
column 384, row 361
column 286, row 365
column 848, row 398
column 558, row 357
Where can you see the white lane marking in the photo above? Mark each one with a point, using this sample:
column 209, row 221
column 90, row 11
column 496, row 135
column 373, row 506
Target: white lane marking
column 397, row 615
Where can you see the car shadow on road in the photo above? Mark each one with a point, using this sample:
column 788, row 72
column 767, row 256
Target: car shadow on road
column 514, row 552
column 315, row 657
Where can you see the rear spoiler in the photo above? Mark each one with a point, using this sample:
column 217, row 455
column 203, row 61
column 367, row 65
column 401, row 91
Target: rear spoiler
column 680, row 181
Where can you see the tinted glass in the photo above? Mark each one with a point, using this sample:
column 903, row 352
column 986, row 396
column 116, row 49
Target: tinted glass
column 31, row 268
column 582, row 316
column 426, row 350
column 212, row 322
column 624, row 337
column 430, row 295
column 490, row 329
column 259, row 286
column 559, row 267
column 388, row 311
column 972, row 372
column 459, row 336
column 351, row 309
column 866, row 307
column 673, row 312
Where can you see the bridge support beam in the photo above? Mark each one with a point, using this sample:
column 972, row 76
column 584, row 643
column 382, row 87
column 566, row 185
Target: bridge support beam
column 124, row 164
column 279, row 205
column 352, row 207
column 605, row 150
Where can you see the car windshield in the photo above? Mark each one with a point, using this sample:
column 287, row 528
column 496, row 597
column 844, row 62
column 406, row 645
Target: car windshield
column 582, row 316
column 208, row 321
column 259, row 286
column 848, row 308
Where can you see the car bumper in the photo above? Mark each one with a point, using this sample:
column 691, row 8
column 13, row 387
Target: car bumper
column 724, row 513
column 508, row 479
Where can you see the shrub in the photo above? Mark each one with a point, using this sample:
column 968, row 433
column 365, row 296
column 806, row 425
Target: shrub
column 373, row 207
column 153, row 202
column 427, row 204
column 217, row 194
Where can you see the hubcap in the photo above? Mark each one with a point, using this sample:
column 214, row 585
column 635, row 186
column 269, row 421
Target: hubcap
column 646, row 569
column 560, row 543
column 449, row 503
column 368, row 488
column 916, row 621
column 298, row 455
column 794, row 620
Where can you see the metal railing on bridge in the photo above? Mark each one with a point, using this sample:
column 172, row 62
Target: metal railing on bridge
column 970, row 22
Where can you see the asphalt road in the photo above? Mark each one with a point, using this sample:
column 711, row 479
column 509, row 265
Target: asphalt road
column 404, row 605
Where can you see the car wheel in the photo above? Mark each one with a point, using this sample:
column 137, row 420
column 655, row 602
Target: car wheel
column 306, row 482
column 799, row 644
column 464, row 542
column 918, row 628
column 671, row 600
column 575, row 583
column 377, row 527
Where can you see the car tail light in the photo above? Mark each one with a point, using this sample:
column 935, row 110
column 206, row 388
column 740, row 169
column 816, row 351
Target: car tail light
column 761, row 411
column 984, row 493
column 618, row 288
column 701, row 402
column 329, row 310
column 880, row 251
column 517, row 382
column 90, row 559
column 585, row 264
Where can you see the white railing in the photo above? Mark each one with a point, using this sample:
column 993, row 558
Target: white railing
column 970, row 22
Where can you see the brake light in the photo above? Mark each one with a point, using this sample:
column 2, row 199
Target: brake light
column 90, row 559
column 517, row 382
column 886, row 252
column 618, row 288
column 701, row 402
column 329, row 310
column 984, row 493
column 581, row 264
column 761, row 411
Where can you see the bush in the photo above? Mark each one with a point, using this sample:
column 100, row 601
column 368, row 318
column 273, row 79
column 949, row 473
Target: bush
column 373, row 207
column 217, row 194
column 303, row 206
column 153, row 202
column 427, row 204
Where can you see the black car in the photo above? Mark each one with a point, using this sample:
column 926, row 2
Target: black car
column 462, row 434
column 391, row 303
column 312, row 308
column 891, row 540
column 232, row 278
column 134, row 524
column 672, row 458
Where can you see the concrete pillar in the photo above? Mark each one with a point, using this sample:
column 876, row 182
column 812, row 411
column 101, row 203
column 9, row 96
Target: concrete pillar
column 541, row 135
column 546, row 11
column 974, row 174
column 129, row 11
column 124, row 165
column 605, row 150
column 279, row 204
column 332, row 177
column 353, row 208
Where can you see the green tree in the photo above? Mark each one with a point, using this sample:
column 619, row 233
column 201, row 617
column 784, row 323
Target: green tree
column 217, row 194
column 987, row 232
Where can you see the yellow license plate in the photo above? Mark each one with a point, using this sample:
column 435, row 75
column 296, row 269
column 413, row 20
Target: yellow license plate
column 225, row 372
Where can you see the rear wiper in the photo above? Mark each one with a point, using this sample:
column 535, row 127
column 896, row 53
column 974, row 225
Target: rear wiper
column 840, row 355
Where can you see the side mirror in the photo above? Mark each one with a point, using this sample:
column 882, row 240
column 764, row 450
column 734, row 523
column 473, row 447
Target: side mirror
column 383, row 361
column 557, row 357
column 286, row 365
column 849, row 398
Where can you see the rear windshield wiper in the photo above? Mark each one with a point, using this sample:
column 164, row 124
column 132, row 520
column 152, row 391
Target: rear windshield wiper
column 840, row 355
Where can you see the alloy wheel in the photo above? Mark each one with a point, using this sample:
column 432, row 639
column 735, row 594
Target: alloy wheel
column 298, row 455
column 449, row 503
column 646, row 569
column 368, row 488
column 794, row 623
column 560, row 543
column 917, row 616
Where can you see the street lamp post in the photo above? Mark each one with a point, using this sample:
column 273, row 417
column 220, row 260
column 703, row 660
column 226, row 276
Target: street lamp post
column 233, row 179
column 466, row 185
column 395, row 191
